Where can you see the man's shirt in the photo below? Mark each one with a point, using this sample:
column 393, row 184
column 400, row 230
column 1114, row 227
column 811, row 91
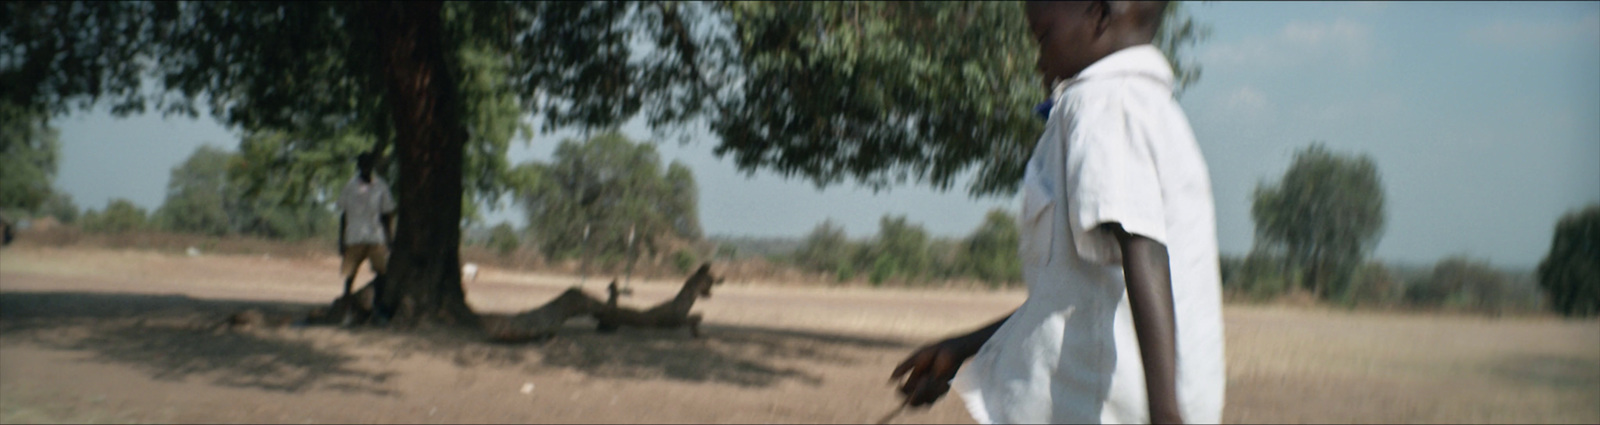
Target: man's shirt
column 1116, row 149
column 362, row 204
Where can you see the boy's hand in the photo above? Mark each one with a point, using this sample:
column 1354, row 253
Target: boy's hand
column 931, row 368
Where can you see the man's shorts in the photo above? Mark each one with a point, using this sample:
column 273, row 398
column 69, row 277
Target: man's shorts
column 376, row 254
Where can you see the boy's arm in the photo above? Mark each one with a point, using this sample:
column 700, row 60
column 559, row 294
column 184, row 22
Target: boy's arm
column 341, row 233
column 388, row 227
column 1149, row 279
column 931, row 367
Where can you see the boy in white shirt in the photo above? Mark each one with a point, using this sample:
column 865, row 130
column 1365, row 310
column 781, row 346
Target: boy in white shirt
column 1123, row 322
column 365, row 221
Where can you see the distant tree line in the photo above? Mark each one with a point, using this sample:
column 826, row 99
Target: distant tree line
column 215, row 192
column 904, row 253
column 609, row 199
column 1316, row 227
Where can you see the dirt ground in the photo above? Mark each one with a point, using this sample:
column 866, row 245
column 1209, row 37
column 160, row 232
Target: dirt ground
column 98, row 335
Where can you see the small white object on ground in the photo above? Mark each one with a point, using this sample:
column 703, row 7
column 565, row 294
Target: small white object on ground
column 469, row 272
column 527, row 388
column 193, row 252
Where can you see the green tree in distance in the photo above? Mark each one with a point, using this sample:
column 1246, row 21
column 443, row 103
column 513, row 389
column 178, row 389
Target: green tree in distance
column 612, row 187
column 29, row 151
column 1570, row 273
column 827, row 248
column 120, row 216
column 195, row 194
column 216, row 192
column 992, row 249
column 900, row 248
column 1323, row 216
column 60, row 206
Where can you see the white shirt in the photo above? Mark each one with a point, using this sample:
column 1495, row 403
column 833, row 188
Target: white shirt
column 1116, row 148
column 362, row 204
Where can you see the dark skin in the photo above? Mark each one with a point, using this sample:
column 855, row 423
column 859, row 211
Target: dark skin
column 1072, row 36
column 364, row 170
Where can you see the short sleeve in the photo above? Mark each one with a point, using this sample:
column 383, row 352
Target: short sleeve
column 1111, row 178
column 387, row 204
column 343, row 203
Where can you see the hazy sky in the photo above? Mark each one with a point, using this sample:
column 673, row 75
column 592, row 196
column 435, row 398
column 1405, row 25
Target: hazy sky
column 1483, row 118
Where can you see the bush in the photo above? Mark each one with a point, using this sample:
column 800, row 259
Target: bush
column 882, row 269
column 1462, row 284
column 1570, row 273
column 120, row 216
column 684, row 260
column 60, row 206
column 844, row 272
column 503, row 239
column 1374, row 286
column 1257, row 277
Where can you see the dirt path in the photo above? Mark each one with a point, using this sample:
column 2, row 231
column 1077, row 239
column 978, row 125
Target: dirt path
column 89, row 335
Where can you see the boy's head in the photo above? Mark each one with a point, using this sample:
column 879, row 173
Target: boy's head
column 1073, row 35
column 364, row 163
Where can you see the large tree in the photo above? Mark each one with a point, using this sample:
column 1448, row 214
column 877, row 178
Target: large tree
column 391, row 70
column 1324, row 216
column 876, row 92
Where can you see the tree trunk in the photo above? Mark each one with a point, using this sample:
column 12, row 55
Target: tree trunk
column 422, row 99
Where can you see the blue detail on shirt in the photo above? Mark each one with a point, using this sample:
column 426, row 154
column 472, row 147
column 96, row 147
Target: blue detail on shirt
column 1044, row 109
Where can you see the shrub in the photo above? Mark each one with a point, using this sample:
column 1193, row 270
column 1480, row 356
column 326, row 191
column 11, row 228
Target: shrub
column 503, row 239
column 1372, row 285
column 1257, row 277
column 844, row 272
column 882, row 269
column 1462, row 284
column 121, row 215
column 684, row 260
column 1570, row 272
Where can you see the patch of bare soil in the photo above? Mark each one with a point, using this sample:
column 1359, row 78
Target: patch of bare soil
column 94, row 335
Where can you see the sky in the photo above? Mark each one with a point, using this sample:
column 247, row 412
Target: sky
column 1482, row 117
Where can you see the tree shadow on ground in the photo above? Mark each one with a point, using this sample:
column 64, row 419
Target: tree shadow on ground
column 173, row 337
column 738, row 355
column 745, row 356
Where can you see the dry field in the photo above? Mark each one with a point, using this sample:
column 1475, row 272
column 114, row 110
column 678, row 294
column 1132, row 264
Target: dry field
column 100, row 335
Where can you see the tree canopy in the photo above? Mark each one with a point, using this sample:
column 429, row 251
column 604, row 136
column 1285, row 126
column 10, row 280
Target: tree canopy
column 1324, row 216
column 883, row 93
column 29, row 152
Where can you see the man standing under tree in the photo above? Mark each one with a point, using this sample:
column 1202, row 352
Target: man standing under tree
column 366, row 223
column 1123, row 321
